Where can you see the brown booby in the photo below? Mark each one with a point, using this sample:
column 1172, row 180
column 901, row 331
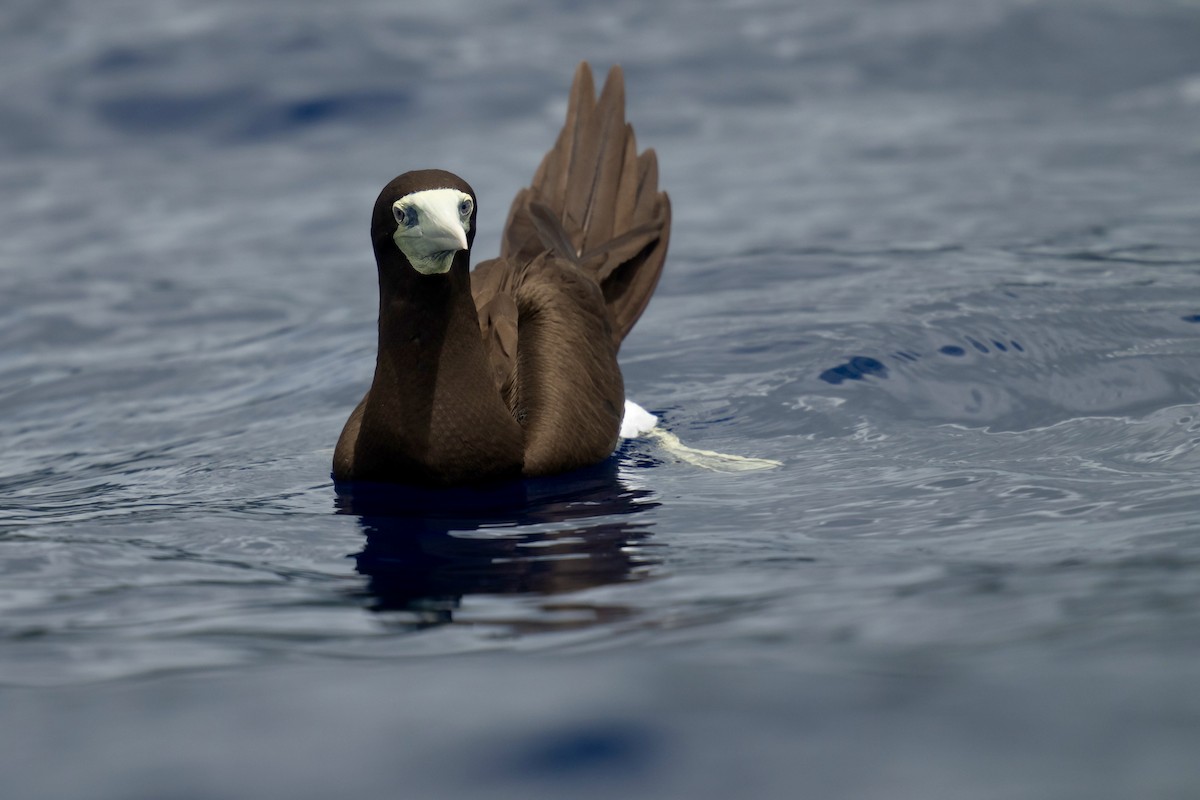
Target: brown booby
column 511, row 369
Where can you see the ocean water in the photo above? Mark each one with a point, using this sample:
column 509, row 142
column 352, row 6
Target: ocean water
column 941, row 259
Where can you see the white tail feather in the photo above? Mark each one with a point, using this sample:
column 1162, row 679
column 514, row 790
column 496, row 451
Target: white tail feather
column 637, row 421
column 640, row 422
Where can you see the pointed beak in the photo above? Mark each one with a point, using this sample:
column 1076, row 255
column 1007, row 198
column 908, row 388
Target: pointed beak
column 443, row 230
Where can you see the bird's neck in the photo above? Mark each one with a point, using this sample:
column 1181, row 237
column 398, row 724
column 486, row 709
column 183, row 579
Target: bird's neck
column 434, row 413
column 419, row 317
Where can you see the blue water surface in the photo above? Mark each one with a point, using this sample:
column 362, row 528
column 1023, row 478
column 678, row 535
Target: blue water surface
column 940, row 259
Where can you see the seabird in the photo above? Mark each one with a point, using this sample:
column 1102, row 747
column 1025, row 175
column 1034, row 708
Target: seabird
column 511, row 370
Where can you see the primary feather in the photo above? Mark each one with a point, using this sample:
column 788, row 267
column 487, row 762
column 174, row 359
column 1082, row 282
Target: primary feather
column 595, row 202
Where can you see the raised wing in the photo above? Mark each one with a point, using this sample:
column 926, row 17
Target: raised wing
column 594, row 201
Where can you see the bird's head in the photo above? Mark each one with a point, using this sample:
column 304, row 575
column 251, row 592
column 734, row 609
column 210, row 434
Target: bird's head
column 429, row 216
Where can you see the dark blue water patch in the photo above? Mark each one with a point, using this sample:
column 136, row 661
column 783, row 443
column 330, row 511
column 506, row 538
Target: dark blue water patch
column 856, row 369
column 166, row 113
column 609, row 749
column 245, row 113
column 300, row 114
column 352, row 105
column 860, row 367
column 126, row 59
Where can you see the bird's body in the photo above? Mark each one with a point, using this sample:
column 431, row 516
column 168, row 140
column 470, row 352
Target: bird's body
column 510, row 370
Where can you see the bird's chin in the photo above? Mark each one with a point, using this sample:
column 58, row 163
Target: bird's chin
column 437, row 263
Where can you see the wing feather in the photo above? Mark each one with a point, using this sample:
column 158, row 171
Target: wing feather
column 612, row 221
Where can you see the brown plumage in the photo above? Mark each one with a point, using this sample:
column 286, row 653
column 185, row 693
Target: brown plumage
column 512, row 369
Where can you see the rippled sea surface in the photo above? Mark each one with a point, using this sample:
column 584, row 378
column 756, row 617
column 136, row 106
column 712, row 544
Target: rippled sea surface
column 941, row 259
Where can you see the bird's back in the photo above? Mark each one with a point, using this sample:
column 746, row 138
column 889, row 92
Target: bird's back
column 581, row 254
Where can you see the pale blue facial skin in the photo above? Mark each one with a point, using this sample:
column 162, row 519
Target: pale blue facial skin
column 431, row 226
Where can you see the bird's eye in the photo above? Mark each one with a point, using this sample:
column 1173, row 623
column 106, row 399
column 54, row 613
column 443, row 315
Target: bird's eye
column 406, row 216
column 465, row 207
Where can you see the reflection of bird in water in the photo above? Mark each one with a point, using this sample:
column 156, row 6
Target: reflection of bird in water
column 427, row 549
